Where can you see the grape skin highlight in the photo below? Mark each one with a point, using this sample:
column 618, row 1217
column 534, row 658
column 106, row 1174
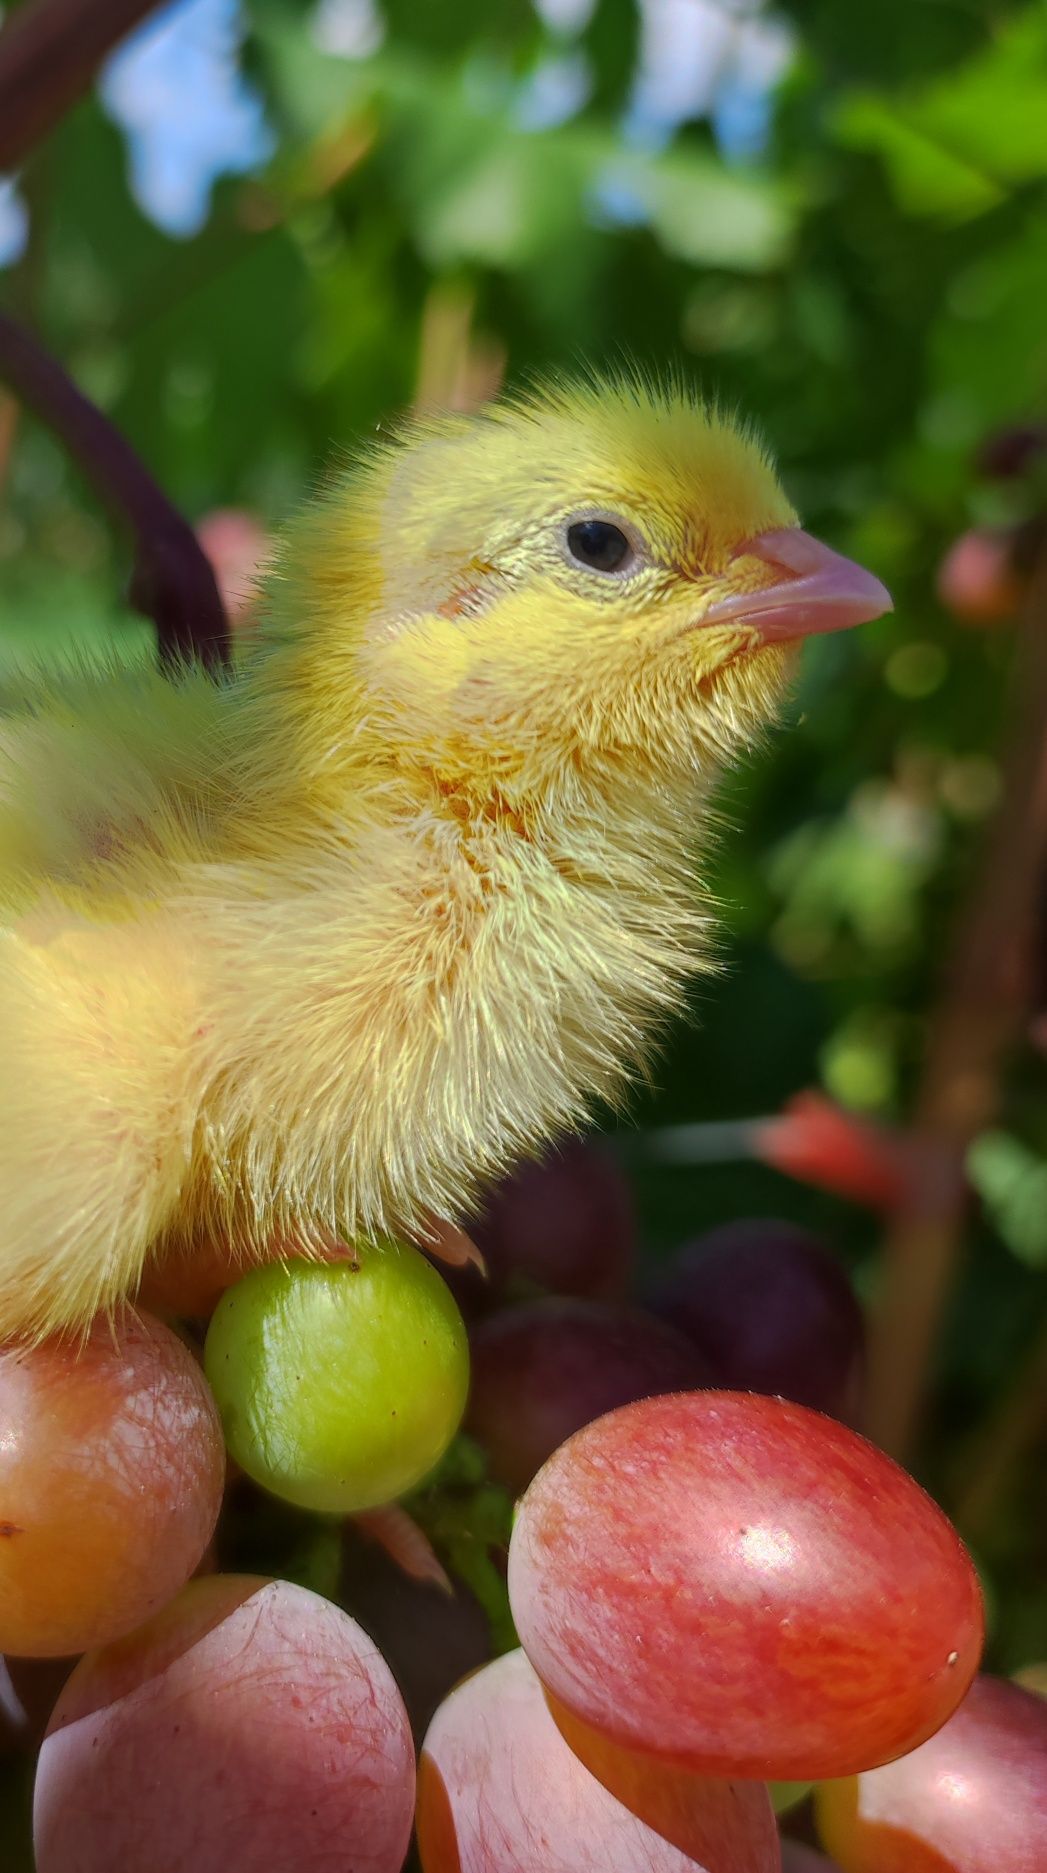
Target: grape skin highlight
column 972, row 1799
column 743, row 1586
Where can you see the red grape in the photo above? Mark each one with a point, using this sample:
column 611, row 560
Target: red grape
column 542, row 1370
column 772, row 1311
column 189, row 1281
column 500, row 1792
column 977, row 580
column 250, row 1726
column 111, row 1478
column 973, row 1799
column 743, row 1587
column 565, row 1224
column 821, row 1143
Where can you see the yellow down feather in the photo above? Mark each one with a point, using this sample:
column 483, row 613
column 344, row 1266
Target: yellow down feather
column 320, row 950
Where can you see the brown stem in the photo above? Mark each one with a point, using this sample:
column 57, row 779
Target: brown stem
column 172, row 582
column 1019, row 1422
column 50, row 52
column 8, row 427
column 980, row 1015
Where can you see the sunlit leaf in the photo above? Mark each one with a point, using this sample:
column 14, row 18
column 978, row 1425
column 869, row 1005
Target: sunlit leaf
column 1012, row 1183
column 955, row 147
column 927, row 177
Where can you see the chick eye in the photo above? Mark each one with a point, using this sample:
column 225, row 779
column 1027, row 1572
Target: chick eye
column 599, row 544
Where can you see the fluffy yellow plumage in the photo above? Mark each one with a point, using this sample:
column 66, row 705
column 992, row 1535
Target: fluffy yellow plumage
column 317, row 951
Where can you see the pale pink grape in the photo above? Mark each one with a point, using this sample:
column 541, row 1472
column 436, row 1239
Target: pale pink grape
column 251, row 1728
column 500, row 1792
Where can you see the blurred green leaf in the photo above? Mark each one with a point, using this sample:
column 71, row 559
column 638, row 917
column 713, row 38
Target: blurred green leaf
column 1012, row 1183
column 611, row 41
column 927, row 177
column 953, row 148
column 710, row 215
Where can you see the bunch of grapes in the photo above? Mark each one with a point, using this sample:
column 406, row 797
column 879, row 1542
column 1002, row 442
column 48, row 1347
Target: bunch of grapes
column 725, row 1626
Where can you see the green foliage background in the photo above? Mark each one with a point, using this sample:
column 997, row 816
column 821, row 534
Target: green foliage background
column 872, row 291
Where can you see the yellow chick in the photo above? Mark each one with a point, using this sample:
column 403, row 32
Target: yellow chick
column 318, row 951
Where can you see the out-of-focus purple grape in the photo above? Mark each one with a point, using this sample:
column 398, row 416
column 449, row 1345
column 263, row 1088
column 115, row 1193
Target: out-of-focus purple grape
column 772, row 1311
column 542, row 1370
column 565, row 1224
column 1011, row 452
column 29, row 1689
column 796, row 1858
column 251, row 1727
column 428, row 1638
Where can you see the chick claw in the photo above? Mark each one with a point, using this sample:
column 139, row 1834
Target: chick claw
column 445, row 1242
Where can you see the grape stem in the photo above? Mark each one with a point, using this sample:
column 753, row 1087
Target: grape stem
column 50, row 52
column 710, row 1141
column 1015, row 1428
column 986, row 997
column 172, row 581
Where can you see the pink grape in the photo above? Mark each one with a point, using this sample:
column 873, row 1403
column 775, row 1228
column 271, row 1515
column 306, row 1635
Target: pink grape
column 972, row 1799
column 744, row 1587
column 771, row 1310
column 500, row 1792
column 542, row 1370
column 252, row 1727
column 701, row 1815
column 564, row 1224
column 978, row 581
column 111, row 1478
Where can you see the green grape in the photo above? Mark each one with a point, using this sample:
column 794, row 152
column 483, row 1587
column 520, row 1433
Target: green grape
column 340, row 1387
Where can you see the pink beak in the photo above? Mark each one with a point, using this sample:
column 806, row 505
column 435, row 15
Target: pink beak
column 818, row 590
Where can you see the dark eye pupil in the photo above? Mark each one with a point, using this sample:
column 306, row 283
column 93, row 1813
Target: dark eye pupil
column 598, row 543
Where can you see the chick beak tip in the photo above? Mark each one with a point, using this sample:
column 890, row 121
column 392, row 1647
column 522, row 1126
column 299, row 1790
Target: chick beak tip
column 818, row 590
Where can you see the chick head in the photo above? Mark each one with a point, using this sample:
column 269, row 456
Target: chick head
column 595, row 574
